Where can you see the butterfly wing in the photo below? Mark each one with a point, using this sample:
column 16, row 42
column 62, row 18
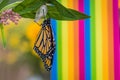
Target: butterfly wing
column 45, row 45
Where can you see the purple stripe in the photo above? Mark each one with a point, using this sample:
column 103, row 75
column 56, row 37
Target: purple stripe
column 116, row 40
column 81, row 43
column 119, row 40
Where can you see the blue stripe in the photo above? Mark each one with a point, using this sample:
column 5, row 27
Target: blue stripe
column 54, row 65
column 87, row 41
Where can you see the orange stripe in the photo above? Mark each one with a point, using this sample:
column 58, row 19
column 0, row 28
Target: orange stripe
column 76, row 46
column 70, row 46
column 105, row 39
column 76, row 51
column 110, row 41
column 71, row 51
column 119, row 3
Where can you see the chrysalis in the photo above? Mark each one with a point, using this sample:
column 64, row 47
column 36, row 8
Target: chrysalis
column 42, row 12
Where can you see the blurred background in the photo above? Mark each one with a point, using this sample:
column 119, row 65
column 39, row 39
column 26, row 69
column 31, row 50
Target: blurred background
column 18, row 61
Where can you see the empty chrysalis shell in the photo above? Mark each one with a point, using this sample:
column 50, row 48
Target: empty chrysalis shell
column 42, row 12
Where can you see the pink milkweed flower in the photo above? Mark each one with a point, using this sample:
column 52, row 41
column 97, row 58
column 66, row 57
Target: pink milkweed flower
column 7, row 15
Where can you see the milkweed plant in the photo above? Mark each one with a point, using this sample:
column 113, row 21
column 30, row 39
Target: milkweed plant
column 36, row 10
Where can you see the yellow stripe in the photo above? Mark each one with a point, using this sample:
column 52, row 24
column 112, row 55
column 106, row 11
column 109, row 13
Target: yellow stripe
column 64, row 47
column 70, row 46
column 98, row 15
column 105, row 40
column 65, row 50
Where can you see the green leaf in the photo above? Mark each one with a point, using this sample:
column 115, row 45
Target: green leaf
column 27, row 9
column 3, row 3
column 10, row 6
column 30, row 15
column 28, row 6
column 78, row 15
column 62, row 13
column 54, row 13
column 3, row 36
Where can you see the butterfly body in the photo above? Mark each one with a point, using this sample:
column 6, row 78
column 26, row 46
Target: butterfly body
column 45, row 44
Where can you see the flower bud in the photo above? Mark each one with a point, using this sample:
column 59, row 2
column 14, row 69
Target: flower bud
column 7, row 15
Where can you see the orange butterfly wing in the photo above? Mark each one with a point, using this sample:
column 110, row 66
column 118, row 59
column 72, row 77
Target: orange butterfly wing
column 45, row 45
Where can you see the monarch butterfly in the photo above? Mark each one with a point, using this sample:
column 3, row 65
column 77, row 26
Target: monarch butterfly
column 45, row 44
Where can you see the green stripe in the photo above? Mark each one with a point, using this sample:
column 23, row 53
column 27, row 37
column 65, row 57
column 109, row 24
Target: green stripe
column 93, row 40
column 59, row 49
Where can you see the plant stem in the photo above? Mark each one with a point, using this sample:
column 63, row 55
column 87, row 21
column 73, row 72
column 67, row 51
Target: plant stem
column 3, row 36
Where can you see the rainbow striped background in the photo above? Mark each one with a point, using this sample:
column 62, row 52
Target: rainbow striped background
column 88, row 49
